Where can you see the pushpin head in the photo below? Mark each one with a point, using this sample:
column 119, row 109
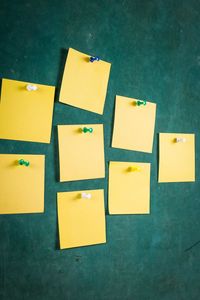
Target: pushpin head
column 23, row 163
column 86, row 195
column 94, row 58
column 134, row 169
column 180, row 140
column 85, row 130
column 141, row 102
column 31, row 87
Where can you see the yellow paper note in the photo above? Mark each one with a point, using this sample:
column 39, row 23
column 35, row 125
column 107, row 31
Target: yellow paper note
column 133, row 125
column 176, row 159
column 22, row 188
column 81, row 221
column 26, row 115
column 81, row 154
column 84, row 84
column 129, row 188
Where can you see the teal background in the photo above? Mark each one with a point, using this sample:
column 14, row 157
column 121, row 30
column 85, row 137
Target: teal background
column 155, row 54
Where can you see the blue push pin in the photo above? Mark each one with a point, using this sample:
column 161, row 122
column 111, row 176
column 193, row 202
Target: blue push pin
column 94, row 58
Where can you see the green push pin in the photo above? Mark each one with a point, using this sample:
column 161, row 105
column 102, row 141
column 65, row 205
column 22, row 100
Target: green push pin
column 140, row 102
column 24, row 163
column 85, row 130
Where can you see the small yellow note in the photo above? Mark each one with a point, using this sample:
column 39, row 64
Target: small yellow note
column 176, row 158
column 84, row 84
column 129, row 188
column 22, row 187
column 81, row 154
column 26, row 115
column 133, row 125
column 81, row 221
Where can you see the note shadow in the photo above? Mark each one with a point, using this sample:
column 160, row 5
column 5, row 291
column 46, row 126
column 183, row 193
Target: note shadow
column 157, row 156
column 56, row 155
column 86, row 59
column 63, row 57
column 0, row 88
column 57, row 240
column 112, row 124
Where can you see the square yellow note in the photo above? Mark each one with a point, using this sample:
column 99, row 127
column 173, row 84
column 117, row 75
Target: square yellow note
column 81, row 154
column 176, row 157
column 81, row 218
column 84, row 83
column 26, row 115
column 22, row 187
column 129, row 188
column 134, row 125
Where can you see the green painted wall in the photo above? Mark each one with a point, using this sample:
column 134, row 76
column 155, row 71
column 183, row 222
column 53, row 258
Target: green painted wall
column 155, row 53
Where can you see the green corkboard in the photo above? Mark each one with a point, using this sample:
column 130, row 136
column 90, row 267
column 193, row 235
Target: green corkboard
column 155, row 54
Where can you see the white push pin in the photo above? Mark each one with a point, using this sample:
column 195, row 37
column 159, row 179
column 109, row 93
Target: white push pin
column 86, row 196
column 180, row 140
column 31, row 87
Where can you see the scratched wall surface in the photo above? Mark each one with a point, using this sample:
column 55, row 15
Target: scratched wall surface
column 155, row 53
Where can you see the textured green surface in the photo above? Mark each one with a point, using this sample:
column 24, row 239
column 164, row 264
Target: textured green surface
column 155, row 53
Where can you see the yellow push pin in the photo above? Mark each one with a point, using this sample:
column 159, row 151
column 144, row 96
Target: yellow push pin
column 134, row 169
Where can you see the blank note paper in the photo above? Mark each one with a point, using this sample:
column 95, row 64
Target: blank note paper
column 176, row 158
column 129, row 188
column 81, row 154
column 133, row 125
column 81, row 221
column 84, row 83
column 26, row 115
column 22, row 187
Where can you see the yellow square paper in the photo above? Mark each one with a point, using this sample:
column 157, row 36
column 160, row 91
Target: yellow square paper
column 84, row 84
column 176, row 160
column 133, row 125
column 26, row 115
column 22, row 188
column 81, row 154
column 81, row 221
column 129, row 188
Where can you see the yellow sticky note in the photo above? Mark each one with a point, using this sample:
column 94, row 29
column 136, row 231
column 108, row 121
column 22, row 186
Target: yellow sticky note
column 176, row 159
column 81, row 221
column 84, row 84
column 26, row 115
column 81, row 154
column 129, row 188
column 133, row 125
column 22, row 187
